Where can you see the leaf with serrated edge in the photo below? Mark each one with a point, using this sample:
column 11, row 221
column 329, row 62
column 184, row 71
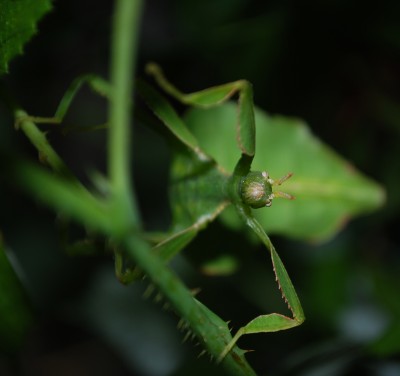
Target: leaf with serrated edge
column 18, row 23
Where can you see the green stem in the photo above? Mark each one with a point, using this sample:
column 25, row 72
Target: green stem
column 124, row 43
column 208, row 327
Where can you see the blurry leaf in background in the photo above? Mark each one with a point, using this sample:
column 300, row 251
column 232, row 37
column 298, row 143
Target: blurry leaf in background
column 15, row 311
column 328, row 189
column 144, row 337
column 222, row 265
column 17, row 25
column 386, row 284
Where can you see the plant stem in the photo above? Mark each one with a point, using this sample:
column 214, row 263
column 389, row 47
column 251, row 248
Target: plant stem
column 123, row 57
column 208, row 327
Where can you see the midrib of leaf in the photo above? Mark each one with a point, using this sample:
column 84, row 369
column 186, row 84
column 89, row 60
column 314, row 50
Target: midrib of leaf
column 372, row 196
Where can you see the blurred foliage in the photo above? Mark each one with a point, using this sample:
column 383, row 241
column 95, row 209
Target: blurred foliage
column 334, row 64
column 15, row 309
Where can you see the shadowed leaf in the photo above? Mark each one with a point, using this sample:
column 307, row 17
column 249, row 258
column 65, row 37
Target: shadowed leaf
column 18, row 21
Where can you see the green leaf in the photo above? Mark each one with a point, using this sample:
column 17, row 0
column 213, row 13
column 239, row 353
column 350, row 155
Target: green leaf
column 18, row 21
column 328, row 189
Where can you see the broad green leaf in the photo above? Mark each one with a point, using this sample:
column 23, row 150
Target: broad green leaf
column 18, row 21
column 15, row 311
column 328, row 189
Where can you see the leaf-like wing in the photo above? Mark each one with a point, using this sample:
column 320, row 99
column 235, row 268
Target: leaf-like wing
column 328, row 189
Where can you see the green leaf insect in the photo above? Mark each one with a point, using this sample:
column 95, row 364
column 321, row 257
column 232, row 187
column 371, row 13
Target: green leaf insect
column 201, row 189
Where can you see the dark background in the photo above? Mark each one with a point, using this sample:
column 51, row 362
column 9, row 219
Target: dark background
column 336, row 64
